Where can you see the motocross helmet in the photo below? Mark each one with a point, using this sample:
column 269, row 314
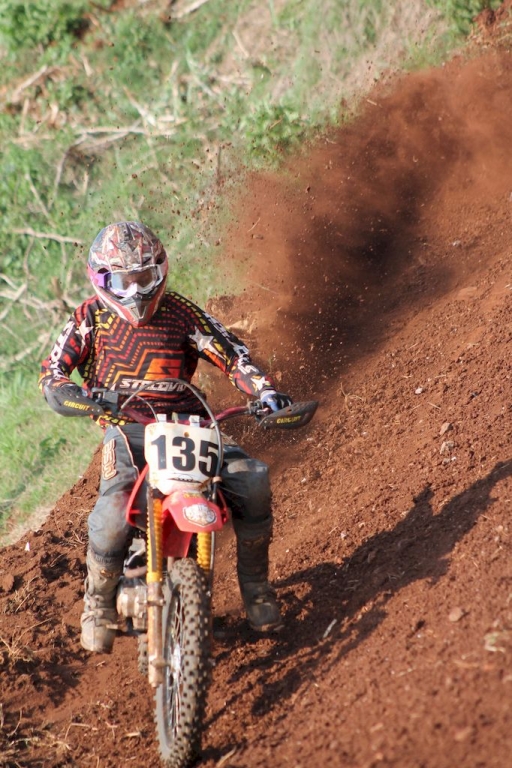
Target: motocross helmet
column 127, row 266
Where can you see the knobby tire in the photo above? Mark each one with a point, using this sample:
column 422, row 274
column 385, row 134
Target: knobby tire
column 181, row 699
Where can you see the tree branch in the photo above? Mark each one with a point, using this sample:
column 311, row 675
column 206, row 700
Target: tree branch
column 46, row 236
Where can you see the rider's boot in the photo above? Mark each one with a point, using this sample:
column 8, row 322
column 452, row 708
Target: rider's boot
column 253, row 541
column 99, row 617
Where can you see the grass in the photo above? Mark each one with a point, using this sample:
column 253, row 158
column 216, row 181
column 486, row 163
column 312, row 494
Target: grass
column 115, row 113
column 40, row 454
column 14, row 651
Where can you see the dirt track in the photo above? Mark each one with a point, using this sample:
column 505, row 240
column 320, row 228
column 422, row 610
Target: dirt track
column 385, row 259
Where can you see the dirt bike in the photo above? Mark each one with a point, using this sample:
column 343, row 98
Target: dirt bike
column 164, row 595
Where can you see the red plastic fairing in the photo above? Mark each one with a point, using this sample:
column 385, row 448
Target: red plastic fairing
column 132, row 513
column 181, row 520
column 191, row 511
column 180, row 511
column 176, row 542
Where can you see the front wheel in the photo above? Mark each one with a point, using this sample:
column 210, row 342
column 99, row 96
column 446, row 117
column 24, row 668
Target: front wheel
column 181, row 698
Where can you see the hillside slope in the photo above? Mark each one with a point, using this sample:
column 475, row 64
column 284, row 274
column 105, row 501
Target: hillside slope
column 381, row 263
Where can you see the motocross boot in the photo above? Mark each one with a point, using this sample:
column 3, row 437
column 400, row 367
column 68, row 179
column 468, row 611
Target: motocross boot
column 253, row 541
column 99, row 617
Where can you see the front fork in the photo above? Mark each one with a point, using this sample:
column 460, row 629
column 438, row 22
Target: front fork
column 205, row 553
column 206, row 547
column 155, row 580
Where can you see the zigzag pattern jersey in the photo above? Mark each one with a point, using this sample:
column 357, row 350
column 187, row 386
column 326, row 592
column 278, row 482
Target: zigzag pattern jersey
column 109, row 352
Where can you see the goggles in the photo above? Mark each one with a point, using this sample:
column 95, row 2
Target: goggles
column 124, row 284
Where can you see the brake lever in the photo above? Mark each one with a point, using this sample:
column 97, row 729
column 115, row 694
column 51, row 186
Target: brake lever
column 105, row 398
column 258, row 410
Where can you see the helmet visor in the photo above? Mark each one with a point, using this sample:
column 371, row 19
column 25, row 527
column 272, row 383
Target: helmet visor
column 128, row 283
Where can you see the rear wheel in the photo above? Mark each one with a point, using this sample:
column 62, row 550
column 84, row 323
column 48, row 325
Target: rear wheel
column 181, row 699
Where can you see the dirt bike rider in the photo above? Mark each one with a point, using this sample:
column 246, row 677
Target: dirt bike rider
column 134, row 331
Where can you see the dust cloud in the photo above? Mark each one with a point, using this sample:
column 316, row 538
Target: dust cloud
column 383, row 200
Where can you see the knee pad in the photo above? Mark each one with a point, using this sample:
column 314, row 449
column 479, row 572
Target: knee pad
column 247, row 487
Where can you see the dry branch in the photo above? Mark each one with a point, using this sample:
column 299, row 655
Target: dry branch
column 8, row 280
column 191, row 8
column 46, row 236
column 37, row 196
column 13, row 298
column 16, row 94
column 115, row 134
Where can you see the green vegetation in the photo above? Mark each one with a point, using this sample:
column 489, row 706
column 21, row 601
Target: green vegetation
column 141, row 110
column 461, row 13
column 38, row 454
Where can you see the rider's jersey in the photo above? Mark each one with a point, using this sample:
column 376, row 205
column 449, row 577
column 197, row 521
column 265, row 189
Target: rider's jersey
column 109, row 352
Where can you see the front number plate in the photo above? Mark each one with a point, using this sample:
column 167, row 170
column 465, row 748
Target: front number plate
column 180, row 452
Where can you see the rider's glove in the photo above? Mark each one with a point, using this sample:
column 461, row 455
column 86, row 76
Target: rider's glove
column 276, row 401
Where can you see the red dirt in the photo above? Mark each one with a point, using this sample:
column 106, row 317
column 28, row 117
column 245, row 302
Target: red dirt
column 383, row 262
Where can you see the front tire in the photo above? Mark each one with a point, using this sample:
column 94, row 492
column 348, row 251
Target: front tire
column 181, row 699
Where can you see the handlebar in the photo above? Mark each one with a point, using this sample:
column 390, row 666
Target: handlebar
column 295, row 415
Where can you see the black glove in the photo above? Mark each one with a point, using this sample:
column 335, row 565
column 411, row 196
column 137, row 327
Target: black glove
column 69, row 399
column 276, row 401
